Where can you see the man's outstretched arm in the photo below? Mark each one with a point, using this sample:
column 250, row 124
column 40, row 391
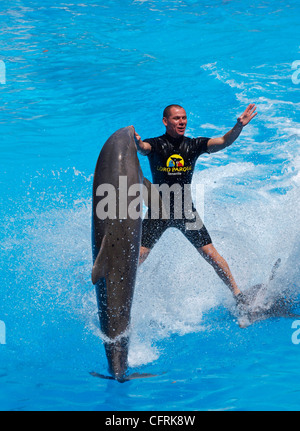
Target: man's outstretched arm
column 217, row 144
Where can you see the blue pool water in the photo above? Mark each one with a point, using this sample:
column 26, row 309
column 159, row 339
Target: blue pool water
column 76, row 72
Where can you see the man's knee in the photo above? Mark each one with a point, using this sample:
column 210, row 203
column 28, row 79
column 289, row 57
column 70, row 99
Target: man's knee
column 207, row 251
column 211, row 255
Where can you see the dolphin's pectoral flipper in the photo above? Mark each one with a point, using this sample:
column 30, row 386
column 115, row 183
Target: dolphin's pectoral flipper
column 99, row 268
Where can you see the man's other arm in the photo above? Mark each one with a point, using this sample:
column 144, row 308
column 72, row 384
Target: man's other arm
column 217, row 144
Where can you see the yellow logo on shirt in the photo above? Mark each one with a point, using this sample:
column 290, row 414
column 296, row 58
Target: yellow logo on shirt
column 175, row 161
column 175, row 165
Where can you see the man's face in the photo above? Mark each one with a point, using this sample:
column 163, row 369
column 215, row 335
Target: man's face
column 176, row 122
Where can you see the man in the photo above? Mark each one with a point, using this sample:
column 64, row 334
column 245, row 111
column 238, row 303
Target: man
column 172, row 159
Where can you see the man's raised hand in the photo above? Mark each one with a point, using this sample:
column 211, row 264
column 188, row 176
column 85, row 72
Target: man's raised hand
column 136, row 135
column 248, row 114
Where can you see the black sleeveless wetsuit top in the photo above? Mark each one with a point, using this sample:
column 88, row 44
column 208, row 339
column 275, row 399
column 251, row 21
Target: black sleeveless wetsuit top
column 173, row 160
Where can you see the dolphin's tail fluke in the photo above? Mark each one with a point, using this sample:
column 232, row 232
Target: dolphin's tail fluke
column 126, row 378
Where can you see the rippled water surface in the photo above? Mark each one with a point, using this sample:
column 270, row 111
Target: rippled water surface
column 76, row 72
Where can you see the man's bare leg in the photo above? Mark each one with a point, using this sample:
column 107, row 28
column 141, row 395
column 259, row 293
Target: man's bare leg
column 144, row 253
column 220, row 265
column 210, row 254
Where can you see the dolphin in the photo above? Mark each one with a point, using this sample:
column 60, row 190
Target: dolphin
column 263, row 303
column 116, row 238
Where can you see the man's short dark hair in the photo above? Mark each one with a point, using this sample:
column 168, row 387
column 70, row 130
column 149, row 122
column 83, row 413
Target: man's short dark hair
column 167, row 110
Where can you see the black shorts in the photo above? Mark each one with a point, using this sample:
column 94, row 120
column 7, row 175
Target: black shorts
column 153, row 229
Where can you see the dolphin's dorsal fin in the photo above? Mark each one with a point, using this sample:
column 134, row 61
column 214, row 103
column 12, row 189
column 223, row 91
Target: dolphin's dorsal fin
column 99, row 268
column 274, row 269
